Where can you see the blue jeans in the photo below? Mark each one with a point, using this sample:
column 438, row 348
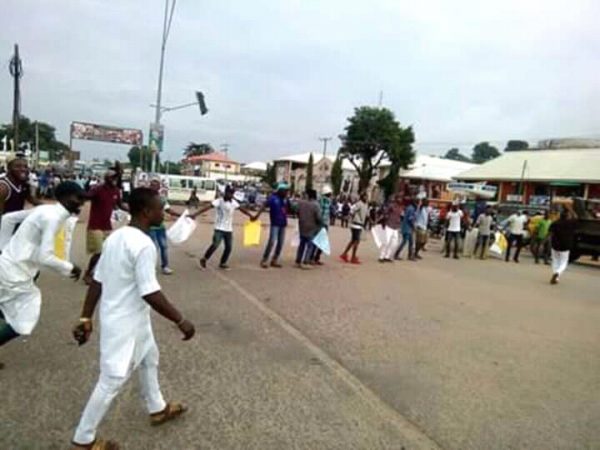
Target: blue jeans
column 305, row 250
column 275, row 234
column 227, row 237
column 159, row 236
column 407, row 238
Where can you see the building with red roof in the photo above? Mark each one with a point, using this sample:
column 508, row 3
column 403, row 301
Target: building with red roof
column 212, row 165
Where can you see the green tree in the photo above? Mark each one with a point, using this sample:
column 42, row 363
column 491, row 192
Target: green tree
column 516, row 145
column 46, row 133
column 484, row 152
column 140, row 157
column 170, row 167
column 270, row 176
column 371, row 135
column 194, row 149
column 309, row 172
column 337, row 175
column 455, row 155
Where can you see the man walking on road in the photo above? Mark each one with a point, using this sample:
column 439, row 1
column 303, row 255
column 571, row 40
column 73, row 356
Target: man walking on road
column 359, row 214
column 224, row 210
column 422, row 227
column 325, row 204
column 562, row 234
column 516, row 229
column 393, row 221
column 29, row 249
column 540, row 245
column 310, row 222
column 484, row 224
column 454, row 218
column 125, row 285
column 408, row 228
column 159, row 233
column 279, row 207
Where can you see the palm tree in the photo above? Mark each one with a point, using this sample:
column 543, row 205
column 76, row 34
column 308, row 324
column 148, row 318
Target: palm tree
column 194, row 149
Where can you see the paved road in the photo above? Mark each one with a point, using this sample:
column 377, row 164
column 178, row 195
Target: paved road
column 436, row 354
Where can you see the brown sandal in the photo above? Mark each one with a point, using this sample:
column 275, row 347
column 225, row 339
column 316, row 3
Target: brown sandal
column 98, row 444
column 171, row 411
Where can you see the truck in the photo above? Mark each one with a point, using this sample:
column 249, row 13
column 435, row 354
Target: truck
column 587, row 234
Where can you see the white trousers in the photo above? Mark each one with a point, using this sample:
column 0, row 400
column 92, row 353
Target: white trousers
column 388, row 248
column 107, row 389
column 560, row 261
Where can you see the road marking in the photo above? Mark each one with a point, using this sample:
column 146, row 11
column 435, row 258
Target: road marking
column 409, row 430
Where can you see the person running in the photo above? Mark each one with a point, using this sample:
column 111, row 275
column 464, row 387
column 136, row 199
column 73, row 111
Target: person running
column 29, row 249
column 484, row 224
column 159, row 233
column 310, row 221
column 360, row 214
column 14, row 187
column 392, row 217
column 562, row 239
column 279, row 207
column 325, row 205
column 540, row 244
column 516, row 231
column 454, row 219
column 422, row 227
column 126, row 287
column 224, row 208
column 105, row 197
column 407, row 228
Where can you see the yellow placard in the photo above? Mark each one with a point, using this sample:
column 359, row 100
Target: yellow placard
column 252, row 233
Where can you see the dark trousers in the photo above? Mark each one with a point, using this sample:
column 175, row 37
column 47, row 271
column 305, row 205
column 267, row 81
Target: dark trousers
column 159, row 236
column 452, row 236
column 276, row 234
column 541, row 248
column 518, row 240
column 7, row 333
column 482, row 240
column 304, row 250
column 218, row 237
column 407, row 238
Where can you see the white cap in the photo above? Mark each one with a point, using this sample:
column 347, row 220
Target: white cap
column 326, row 190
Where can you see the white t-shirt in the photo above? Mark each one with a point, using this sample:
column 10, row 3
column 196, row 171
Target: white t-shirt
column 127, row 272
column 224, row 214
column 454, row 218
column 516, row 223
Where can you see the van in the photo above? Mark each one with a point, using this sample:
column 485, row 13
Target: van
column 180, row 187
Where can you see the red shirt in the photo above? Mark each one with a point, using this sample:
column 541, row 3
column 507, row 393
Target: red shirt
column 104, row 199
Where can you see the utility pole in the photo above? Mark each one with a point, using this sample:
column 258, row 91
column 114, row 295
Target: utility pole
column 166, row 28
column 36, row 159
column 225, row 148
column 325, row 140
column 16, row 70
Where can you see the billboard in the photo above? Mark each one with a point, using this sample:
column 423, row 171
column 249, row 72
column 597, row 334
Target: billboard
column 157, row 132
column 95, row 132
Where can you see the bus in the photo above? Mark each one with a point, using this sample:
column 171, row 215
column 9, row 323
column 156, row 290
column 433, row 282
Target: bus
column 180, row 187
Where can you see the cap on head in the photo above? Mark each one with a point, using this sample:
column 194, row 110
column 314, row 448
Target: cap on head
column 326, row 190
column 282, row 186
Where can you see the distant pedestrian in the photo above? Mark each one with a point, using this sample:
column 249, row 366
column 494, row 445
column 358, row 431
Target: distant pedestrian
column 408, row 229
column 422, row 227
column 224, row 210
column 516, row 231
column 309, row 223
column 279, row 208
column 158, row 233
column 393, row 221
column 359, row 215
column 540, row 244
column 484, row 224
column 562, row 234
column 453, row 218
column 325, row 206
column 346, row 209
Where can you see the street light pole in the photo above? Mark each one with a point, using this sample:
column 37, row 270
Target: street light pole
column 165, row 34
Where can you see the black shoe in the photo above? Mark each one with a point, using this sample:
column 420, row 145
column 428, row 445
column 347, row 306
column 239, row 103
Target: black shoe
column 446, row 256
column 456, row 257
column 224, row 267
column 202, row 263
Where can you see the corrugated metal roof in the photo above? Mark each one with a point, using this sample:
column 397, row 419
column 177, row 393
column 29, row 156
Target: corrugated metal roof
column 435, row 168
column 578, row 165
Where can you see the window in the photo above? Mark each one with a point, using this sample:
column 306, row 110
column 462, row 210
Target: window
column 216, row 164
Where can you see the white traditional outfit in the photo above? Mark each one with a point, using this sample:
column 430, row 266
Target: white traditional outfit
column 126, row 271
column 29, row 249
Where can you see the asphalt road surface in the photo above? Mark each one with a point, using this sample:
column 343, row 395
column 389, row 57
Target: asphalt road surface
column 432, row 354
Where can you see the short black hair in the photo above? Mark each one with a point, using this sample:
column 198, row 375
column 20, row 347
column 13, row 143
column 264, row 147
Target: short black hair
column 312, row 194
column 140, row 198
column 67, row 188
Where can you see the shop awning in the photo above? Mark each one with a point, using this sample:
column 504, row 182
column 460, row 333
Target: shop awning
column 565, row 183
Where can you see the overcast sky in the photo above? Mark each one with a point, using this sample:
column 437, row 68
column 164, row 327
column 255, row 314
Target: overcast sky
column 278, row 74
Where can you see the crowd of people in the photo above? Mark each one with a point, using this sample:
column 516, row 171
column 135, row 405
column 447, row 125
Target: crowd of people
column 121, row 273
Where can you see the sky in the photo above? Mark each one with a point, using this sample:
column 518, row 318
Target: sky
column 277, row 75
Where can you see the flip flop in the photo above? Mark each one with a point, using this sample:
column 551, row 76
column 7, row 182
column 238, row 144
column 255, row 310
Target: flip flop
column 171, row 411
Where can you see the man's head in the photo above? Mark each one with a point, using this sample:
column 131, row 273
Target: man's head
column 363, row 197
column 454, row 208
column 488, row 210
column 110, row 178
column 155, row 184
column 398, row 199
column 229, row 191
column 70, row 195
column 327, row 191
column 282, row 189
column 425, row 203
column 145, row 207
column 311, row 194
column 17, row 168
column 546, row 215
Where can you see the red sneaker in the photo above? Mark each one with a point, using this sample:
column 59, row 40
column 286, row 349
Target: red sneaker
column 355, row 261
column 344, row 258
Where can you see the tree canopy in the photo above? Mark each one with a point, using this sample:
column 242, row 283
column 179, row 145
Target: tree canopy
column 47, row 137
column 371, row 135
column 484, row 152
column 455, row 155
column 194, row 149
column 516, row 145
column 140, row 157
column 309, row 172
column 270, row 176
column 337, row 175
